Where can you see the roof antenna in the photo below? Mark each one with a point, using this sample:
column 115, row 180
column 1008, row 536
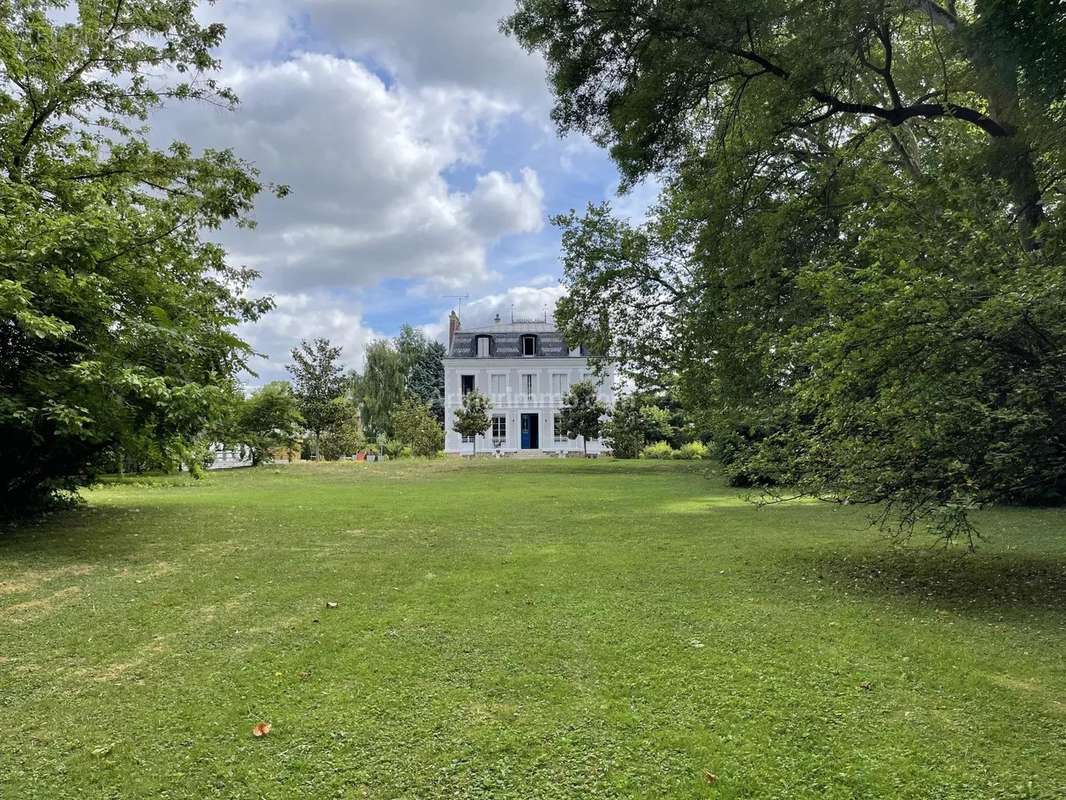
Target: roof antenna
column 545, row 313
column 459, row 297
column 512, row 313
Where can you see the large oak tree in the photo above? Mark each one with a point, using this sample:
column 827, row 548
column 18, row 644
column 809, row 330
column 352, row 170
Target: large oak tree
column 855, row 271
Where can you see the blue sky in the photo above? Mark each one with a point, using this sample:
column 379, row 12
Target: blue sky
column 423, row 163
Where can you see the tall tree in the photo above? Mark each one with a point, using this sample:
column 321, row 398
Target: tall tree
column 472, row 418
column 855, row 265
column 647, row 78
column 319, row 381
column 582, row 413
column 116, row 320
column 423, row 365
column 381, row 387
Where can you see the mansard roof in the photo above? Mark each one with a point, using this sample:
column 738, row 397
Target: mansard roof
column 507, row 340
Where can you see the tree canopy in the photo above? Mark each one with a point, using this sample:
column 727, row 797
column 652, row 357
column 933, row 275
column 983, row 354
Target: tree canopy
column 268, row 419
column 319, row 382
column 472, row 417
column 855, row 269
column 116, row 318
column 582, row 413
column 423, row 365
column 381, row 387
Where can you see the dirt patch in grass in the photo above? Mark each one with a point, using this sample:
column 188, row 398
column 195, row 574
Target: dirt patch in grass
column 32, row 580
column 31, row 609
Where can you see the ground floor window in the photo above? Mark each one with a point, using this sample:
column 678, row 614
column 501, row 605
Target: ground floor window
column 560, row 432
column 468, row 439
column 499, row 428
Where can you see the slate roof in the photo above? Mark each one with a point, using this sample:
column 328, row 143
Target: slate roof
column 507, row 341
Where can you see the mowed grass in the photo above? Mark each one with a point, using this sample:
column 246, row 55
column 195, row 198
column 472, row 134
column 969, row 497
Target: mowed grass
column 534, row 629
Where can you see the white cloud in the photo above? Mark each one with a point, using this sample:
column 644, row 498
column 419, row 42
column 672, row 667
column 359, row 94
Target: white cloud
column 366, row 165
column 521, row 302
column 436, row 42
column 305, row 316
column 499, row 203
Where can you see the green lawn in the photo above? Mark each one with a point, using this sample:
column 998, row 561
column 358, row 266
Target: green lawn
column 523, row 630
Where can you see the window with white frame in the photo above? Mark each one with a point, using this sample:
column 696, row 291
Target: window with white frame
column 560, row 384
column 529, row 345
column 484, row 344
column 560, row 431
column 468, row 439
column 529, row 385
column 499, row 428
column 498, row 384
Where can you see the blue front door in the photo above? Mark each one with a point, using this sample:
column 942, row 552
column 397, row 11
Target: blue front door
column 530, row 439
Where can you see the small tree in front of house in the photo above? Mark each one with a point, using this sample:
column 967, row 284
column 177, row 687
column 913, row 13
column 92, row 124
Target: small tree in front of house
column 472, row 419
column 581, row 413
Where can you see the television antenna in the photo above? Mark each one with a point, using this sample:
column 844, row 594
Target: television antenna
column 458, row 297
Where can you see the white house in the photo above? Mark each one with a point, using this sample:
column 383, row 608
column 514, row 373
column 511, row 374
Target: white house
column 525, row 369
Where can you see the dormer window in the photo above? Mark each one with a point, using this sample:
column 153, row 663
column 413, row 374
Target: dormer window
column 484, row 346
column 529, row 345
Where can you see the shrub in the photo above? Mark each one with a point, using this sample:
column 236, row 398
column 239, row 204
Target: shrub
column 692, row 451
column 659, row 450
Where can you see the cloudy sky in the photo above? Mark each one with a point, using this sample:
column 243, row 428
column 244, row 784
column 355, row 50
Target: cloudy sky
column 422, row 159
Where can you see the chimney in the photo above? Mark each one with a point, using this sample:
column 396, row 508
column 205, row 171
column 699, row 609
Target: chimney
column 453, row 328
column 497, row 319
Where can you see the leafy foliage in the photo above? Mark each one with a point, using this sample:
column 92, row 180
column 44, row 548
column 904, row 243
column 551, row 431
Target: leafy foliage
column 269, row 419
column 855, row 270
column 319, row 383
column 632, row 423
column 417, row 428
column 582, row 413
column 344, row 436
column 658, row 450
column 115, row 318
column 692, row 451
column 472, row 418
column 423, row 367
column 380, row 389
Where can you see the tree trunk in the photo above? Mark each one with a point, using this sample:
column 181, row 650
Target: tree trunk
column 585, row 445
column 1010, row 156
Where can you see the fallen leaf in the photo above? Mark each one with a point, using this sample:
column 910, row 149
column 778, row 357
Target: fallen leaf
column 261, row 729
column 710, row 777
column 331, row 605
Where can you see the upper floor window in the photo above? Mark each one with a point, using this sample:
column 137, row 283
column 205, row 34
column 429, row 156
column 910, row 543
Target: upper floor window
column 529, row 386
column 529, row 345
column 467, row 384
column 484, row 346
column 498, row 384
column 560, row 383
